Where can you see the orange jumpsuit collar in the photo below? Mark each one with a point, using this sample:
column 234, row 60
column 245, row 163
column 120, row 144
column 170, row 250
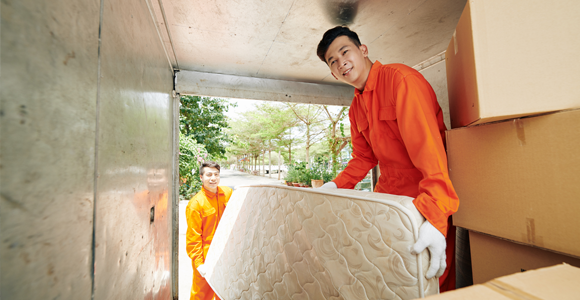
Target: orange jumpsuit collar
column 211, row 195
column 372, row 79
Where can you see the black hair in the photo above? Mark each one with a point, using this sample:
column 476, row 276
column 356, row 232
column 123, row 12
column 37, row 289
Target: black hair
column 329, row 37
column 208, row 164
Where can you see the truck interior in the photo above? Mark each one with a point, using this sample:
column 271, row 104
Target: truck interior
column 90, row 112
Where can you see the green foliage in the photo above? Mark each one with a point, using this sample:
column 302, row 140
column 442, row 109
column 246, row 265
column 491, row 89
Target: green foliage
column 327, row 176
column 298, row 172
column 204, row 119
column 191, row 155
column 293, row 174
column 320, row 169
column 311, row 117
column 336, row 140
column 305, row 177
column 261, row 130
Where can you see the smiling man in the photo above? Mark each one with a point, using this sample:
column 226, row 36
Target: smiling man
column 203, row 213
column 397, row 123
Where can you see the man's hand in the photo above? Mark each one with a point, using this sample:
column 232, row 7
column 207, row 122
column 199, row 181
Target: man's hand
column 328, row 185
column 434, row 240
column 202, row 269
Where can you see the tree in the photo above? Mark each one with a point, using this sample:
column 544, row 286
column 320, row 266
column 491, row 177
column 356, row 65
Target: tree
column 203, row 118
column 259, row 131
column 273, row 121
column 311, row 118
column 246, row 143
column 336, row 142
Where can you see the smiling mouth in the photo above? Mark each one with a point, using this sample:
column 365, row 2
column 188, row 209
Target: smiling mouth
column 346, row 72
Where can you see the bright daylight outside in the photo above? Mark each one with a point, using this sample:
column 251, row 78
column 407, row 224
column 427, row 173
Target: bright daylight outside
column 257, row 142
column 292, row 143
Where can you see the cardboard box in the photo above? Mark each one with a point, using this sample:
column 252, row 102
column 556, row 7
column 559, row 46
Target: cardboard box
column 558, row 282
column 520, row 179
column 492, row 257
column 513, row 58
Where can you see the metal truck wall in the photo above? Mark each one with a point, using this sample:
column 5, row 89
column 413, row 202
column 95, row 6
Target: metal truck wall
column 86, row 152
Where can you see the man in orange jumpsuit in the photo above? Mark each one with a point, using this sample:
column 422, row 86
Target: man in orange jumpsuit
column 397, row 123
column 203, row 214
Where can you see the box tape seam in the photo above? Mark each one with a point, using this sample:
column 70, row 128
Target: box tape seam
column 509, row 290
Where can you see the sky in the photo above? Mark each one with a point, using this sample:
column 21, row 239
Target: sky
column 243, row 106
column 246, row 105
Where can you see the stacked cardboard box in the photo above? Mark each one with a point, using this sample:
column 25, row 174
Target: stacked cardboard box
column 519, row 180
column 508, row 257
column 513, row 58
column 512, row 72
column 556, row 282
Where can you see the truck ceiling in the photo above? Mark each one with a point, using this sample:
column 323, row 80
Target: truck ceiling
column 273, row 43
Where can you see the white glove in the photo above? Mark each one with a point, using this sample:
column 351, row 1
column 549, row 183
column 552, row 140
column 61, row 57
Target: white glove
column 434, row 240
column 202, row 269
column 329, row 185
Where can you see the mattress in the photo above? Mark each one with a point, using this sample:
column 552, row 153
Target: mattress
column 278, row 242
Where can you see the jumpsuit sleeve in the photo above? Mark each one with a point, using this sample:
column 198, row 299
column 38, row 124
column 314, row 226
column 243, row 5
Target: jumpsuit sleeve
column 194, row 244
column 363, row 158
column 419, row 129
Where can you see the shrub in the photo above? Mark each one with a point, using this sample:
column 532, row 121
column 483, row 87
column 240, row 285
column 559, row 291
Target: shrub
column 293, row 173
column 320, row 169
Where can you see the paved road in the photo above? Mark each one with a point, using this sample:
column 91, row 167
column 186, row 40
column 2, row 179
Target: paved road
column 235, row 178
column 228, row 178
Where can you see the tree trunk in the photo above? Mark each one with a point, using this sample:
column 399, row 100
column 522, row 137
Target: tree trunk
column 270, row 162
column 279, row 160
column 307, row 147
column 334, row 164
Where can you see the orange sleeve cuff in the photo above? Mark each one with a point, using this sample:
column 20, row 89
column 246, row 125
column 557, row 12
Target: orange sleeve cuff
column 429, row 209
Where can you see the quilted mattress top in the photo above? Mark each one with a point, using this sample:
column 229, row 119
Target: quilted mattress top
column 278, row 242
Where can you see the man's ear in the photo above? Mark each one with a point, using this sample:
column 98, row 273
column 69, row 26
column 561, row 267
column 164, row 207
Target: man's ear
column 333, row 75
column 364, row 50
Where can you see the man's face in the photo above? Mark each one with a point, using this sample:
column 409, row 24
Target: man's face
column 347, row 61
column 210, row 179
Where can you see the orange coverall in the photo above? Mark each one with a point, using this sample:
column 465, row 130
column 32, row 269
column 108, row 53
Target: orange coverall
column 203, row 213
column 398, row 123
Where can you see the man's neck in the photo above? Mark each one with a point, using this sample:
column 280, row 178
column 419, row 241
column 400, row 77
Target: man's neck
column 213, row 191
column 368, row 66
